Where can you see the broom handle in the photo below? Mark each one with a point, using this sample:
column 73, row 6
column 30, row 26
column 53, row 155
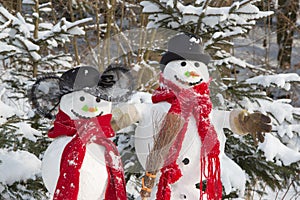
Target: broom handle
column 167, row 132
column 147, row 184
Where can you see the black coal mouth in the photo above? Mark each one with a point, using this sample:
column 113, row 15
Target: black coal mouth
column 186, row 82
column 81, row 116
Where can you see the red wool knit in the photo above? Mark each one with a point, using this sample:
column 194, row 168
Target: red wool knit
column 186, row 102
column 85, row 131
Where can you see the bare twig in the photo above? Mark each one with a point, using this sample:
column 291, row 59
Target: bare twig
column 75, row 46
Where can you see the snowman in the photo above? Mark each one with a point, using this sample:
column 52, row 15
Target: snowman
column 189, row 149
column 82, row 162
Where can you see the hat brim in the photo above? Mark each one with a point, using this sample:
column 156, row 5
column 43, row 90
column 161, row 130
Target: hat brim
column 171, row 56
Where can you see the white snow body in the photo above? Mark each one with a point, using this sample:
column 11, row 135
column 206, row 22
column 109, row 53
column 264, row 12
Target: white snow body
column 93, row 173
column 185, row 187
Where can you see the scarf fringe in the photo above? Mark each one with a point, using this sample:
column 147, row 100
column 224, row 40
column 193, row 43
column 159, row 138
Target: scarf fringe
column 186, row 102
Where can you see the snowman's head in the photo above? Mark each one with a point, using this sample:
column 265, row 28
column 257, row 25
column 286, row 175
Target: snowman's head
column 82, row 92
column 186, row 73
column 81, row 99
column 185, row 62
column 80, row 104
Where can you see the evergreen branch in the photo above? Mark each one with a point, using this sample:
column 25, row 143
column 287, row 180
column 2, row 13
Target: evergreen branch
column 167, row 11
column 201, row 16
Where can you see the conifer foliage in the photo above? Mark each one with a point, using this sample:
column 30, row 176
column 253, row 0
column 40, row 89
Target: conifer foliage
column 29, row 45
column 36, row 38
column 30, row 42
column 218, row 27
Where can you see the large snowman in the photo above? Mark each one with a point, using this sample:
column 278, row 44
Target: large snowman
column 82, row 162
column 193, row 160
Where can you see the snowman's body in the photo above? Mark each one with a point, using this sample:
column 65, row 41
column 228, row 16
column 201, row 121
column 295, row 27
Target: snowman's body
column 93, row 172
column 189, row 156
column 188, row 160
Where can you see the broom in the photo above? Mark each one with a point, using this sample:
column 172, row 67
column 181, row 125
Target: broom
column 167, row 130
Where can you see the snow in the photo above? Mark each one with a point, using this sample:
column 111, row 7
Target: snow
column 24, row 27
column 115, row 161
column 274, row 149
column 45, row 9
column 6, row 14
column 93, row 175
column 18, row 166
column 170, row 3
column 26, row 131
column 47, row 26
column 278, row 80
column 21, row 165
column 51, row 162
column 231, row 60
column 288, row 129
column 190, row 9
column 6, row 48
column 5, row 111
column 195, row 40
column 35, row 56
column 31, row 2
column 28, row 44
column 233, row 177
column 148, row 7
column 280, row 109
column 35, row 15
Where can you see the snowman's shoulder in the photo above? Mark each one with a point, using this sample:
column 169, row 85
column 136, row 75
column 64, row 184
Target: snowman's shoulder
column 150, row 110
column 59, row 143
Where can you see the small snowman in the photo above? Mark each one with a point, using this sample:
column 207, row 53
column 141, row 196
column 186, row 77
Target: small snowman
column 179, row 139
column 82, row 162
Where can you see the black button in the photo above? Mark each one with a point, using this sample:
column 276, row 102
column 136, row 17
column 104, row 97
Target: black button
column 186, row 161
column 182, row 196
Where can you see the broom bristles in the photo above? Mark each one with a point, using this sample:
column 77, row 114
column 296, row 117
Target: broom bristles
column 167, row 128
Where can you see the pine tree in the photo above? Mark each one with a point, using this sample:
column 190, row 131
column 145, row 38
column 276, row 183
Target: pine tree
column 30, row 42
column 20, row 140
column 218, row 26
column 30, row 45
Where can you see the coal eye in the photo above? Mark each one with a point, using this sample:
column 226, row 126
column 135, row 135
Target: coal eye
column 81, row 98
column 183, row 64
column 197, row 64
column 98, row 99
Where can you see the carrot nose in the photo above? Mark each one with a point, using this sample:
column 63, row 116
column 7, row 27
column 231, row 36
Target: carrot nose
column 191, row 74
column 89, row 109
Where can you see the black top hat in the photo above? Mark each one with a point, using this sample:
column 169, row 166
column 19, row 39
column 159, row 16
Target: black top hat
column 79, row 78
column 184, row 46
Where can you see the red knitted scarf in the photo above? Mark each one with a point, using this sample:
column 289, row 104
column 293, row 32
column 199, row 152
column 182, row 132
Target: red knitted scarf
column 186, row 102
column 85, row 131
